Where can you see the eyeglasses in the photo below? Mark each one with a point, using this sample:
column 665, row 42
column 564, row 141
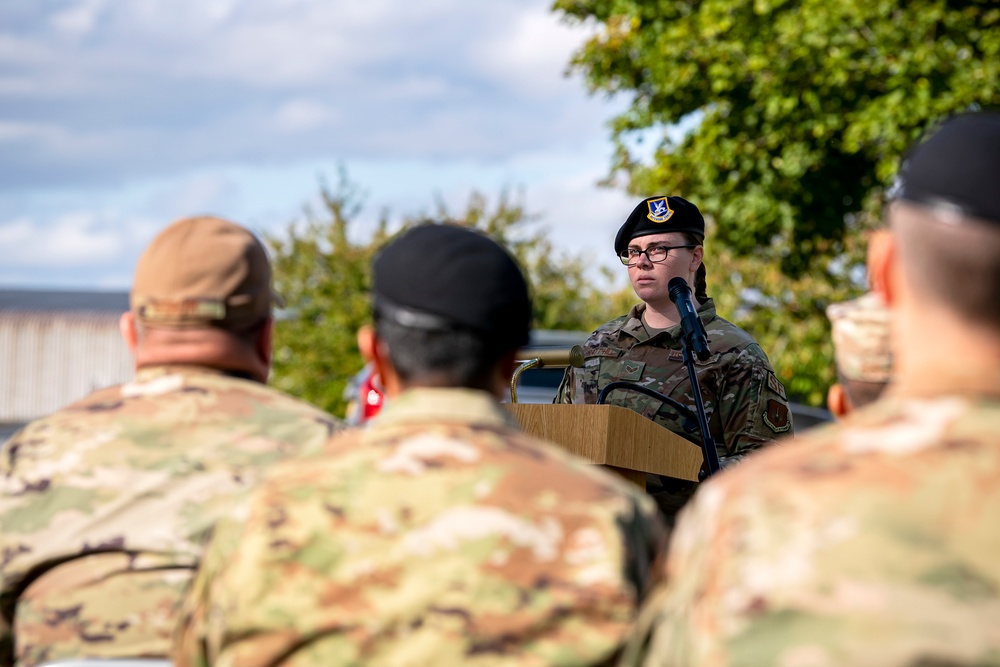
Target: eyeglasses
column 654, row 254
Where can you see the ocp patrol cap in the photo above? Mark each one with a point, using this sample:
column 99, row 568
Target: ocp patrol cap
column 199, row 272
column 659, row 215
column 861, row 338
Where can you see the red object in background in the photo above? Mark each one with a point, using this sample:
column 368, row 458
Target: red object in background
column 370, row 397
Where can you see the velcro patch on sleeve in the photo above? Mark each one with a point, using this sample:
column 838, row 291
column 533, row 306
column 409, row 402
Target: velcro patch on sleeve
column 775, row 386
column 776, row 416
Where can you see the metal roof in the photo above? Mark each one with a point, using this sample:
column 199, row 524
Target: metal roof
column 63, row 300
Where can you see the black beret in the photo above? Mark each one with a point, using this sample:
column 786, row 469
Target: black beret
column 442, row 276
column 659, row 215
column 956, row 166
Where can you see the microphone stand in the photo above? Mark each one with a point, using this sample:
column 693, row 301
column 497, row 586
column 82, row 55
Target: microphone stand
column 707, row 441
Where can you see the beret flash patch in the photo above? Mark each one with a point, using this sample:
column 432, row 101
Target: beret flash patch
column 659, row 210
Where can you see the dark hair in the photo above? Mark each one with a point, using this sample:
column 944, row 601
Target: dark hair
column 700, row 282
column 457, row 357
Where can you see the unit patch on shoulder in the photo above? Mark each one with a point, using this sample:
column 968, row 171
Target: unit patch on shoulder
column 774, row 385
column 659, row 210
column 776, row 416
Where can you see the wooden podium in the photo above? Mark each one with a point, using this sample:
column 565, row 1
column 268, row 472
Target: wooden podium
column 612, row 436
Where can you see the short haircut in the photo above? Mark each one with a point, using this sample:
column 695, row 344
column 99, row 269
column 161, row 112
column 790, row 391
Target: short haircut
column 455, row 357
column 951, row 258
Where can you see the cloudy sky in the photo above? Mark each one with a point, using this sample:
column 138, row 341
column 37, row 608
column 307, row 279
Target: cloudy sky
column 117, row 117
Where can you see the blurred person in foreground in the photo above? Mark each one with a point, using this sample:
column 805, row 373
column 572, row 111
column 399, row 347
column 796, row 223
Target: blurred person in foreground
column 439, row 534
column 875, row 541
column 105, row 504
column 744, row 401
column 861, row 351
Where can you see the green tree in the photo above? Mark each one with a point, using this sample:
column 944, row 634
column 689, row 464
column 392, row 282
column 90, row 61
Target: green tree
column 802, row 108
column 798, row 113
column 323, row 275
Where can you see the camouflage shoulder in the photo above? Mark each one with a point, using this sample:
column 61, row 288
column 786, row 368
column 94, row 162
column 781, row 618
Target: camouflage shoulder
column 289, row 406
column 605, row 334
column 726, row 335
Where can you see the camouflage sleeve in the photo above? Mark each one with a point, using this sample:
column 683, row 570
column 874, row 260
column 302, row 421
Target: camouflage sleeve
column 753, row 408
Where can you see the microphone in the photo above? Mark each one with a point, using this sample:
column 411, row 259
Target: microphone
column 549, row 357
column 694, row 330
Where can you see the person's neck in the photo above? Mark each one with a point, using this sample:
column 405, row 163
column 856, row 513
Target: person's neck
column 211, row 352
column 663, row 315
column 937, row 355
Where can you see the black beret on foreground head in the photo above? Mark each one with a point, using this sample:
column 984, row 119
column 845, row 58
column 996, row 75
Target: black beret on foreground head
column 659, row 215
column 444, row 276
column 957, row 167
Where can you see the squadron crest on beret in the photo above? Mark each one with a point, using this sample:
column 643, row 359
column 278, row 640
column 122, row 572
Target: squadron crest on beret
column 659, row 210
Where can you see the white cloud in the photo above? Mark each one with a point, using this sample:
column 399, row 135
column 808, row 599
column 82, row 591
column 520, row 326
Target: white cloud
column 299, row 115
column 211, row 193
column 78, row 20
column 73, row 239
column 532, row 54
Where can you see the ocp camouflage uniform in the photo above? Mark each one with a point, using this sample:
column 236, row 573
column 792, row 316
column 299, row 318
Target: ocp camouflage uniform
column 438, row 535
column 744, row 401
column 105, row 505
column 874, row 542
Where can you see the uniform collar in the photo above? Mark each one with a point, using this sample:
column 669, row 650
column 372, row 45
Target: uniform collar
column 147, row 373
column 451, row 405
column 636, row 329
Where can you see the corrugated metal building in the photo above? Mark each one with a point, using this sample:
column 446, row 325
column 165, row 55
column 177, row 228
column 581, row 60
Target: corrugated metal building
column 55, row 348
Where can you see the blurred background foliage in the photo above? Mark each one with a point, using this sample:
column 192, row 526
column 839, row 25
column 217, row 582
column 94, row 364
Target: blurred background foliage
column 783, row 120
column 324, row 278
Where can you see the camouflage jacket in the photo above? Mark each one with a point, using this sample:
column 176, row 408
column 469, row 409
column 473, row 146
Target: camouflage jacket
column 105, row 505
column 437, row 535
column 744, row 401
column 872, row 542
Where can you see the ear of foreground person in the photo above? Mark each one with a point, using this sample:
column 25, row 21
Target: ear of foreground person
column 439, row 534
column 105, row 505
column 875, row 541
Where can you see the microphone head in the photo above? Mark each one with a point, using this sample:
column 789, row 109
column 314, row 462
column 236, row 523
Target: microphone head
column 676, row 287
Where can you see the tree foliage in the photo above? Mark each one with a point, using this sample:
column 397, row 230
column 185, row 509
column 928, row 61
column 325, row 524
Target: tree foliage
column 324, row 277
column 802, row 108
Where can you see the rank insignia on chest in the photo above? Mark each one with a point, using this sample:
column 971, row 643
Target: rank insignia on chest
column 631, row 371
column 776, row 416
column 659, row 210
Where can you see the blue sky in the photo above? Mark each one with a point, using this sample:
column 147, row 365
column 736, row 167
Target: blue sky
column 119, row 117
